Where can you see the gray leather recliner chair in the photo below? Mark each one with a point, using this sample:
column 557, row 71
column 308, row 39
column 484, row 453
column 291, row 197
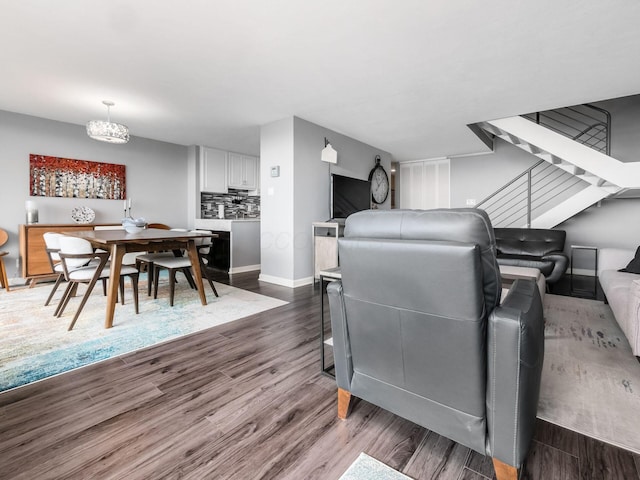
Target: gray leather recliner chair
column 417, row 330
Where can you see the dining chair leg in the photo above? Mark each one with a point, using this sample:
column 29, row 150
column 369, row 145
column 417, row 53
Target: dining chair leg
column 134, row 286
column 122, row 290
column 65, row 299
column 203, row 269
column 3, row 273
column 172, row 285
column 150, row 277
column 187, row 274
column 156, row 274
column 59, row 280
column 90, row 286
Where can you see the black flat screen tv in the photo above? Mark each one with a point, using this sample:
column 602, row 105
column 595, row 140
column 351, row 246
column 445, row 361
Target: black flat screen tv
column 349, row 195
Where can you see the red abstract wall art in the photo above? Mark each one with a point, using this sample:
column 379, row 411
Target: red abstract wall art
column 69, row 178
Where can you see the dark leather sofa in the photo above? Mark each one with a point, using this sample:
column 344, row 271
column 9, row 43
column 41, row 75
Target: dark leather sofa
column 535, row 248
column 418, row 330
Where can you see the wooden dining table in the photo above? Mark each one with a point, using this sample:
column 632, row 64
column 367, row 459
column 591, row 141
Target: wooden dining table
column 119, row 242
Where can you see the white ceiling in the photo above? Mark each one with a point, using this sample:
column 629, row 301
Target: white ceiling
column 405, row 76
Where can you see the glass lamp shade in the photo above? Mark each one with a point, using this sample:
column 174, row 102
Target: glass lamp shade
column 107, row 131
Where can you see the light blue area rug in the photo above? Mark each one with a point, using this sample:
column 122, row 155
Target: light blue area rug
column 368, row 468
column 34, row 344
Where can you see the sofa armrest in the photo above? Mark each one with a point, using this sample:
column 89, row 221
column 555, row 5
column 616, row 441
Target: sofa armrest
column 560, row 264
column 341, row 346
column 614, row 258
column 631, row 325
column 515, row 350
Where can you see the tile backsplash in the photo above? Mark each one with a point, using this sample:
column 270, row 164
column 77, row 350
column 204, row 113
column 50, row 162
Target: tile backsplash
column 237, row 204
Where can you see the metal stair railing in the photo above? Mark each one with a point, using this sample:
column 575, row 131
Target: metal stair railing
column 535, row 189
column 586, row 124
column 539, row 187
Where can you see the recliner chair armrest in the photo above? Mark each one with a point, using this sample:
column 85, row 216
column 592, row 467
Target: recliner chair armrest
column 560, row 264
column 341, row 346
column 515, row 350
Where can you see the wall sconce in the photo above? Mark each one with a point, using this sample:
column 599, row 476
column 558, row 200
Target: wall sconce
column 329, row 154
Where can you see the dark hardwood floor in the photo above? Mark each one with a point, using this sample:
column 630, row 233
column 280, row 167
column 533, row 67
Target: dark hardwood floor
column 244, row 401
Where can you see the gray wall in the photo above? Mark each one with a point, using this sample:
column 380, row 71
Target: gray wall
column 478, row 176
column 156, row 176
column 300, row 196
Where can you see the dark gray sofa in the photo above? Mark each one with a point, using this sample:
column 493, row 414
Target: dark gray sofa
column 535, row 248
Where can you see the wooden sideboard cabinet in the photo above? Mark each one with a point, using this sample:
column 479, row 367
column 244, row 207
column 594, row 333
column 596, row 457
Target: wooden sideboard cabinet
column 33, row 251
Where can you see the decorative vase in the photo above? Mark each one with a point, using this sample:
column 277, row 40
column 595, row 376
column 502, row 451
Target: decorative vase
column 32, row 212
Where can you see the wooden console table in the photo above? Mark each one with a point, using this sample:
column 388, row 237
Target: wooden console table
column 33, row 251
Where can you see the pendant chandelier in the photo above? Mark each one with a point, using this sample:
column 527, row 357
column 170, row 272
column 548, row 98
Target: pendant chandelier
column 108, row 131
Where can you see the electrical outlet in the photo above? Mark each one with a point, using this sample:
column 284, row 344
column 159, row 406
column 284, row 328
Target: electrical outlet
column 471, row 202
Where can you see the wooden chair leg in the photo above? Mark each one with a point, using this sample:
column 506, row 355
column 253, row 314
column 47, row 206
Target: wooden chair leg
column 134, row 286
column 203, row 269
column 3, row 275
column 121, row 289
column 156, row 276
column 344, row 403
column 172, row 285
column 505, row 471
column 66, row 296
column 59, row 280
column 150, row 278
column 90, row 286
column 187, row 273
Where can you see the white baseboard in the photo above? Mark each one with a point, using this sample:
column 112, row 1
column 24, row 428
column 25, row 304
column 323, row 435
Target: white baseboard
column 246, row 268
column 285, row 282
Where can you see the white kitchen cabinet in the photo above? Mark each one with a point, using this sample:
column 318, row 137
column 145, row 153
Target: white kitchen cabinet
column 242, row 171
column 213, row 170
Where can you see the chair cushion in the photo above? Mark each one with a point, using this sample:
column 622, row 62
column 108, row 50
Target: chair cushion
column 152, row 257
column 85, row 274
column 173, row 262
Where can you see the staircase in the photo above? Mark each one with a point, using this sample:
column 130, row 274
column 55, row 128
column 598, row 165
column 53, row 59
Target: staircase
column 551, row 198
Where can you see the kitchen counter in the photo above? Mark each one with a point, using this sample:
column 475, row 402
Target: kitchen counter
column 244, row 240
column 221, row 224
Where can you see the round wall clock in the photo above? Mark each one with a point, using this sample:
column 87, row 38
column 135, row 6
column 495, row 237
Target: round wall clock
column 379, row 183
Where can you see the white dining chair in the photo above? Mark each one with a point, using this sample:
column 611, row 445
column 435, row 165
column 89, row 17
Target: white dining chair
column 183, row 264
column 145, row 261
column 74, row 254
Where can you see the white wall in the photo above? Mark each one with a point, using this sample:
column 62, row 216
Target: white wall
column 156, row 176
column 301, row 193
column 276, row 201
